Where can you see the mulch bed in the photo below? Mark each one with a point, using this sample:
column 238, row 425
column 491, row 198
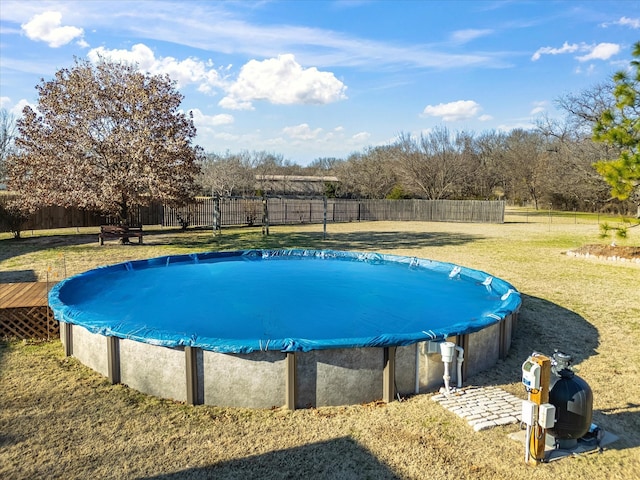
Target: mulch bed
column 608, row 251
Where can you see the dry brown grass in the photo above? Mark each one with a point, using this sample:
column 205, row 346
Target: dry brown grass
column 59, row 419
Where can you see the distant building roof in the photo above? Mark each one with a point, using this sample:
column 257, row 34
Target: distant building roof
column 296, row 178
column 293, row 184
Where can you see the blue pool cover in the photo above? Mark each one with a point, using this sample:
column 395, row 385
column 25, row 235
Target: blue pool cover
column 287, row 300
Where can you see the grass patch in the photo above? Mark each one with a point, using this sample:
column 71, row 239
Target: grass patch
column 61, row 419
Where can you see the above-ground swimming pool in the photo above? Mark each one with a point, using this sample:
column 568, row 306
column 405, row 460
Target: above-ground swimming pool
column 263, row 328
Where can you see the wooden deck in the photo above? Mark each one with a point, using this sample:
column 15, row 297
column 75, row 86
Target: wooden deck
column 25, row 312
column 19, row 295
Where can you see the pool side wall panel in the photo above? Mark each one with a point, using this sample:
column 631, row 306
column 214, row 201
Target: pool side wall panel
column 483, row 350
column 406, row 369
column 258, row 380
column 90, row 349
column 154, row 370
column 338, row 376
column 255, row 380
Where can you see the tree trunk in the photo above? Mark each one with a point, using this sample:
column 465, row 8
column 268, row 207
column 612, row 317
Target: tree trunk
column 124, row 218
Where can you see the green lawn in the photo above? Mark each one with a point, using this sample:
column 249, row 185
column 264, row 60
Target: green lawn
column 60, row 419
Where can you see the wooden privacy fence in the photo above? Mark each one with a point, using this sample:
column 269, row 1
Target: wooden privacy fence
column 66, row 217
column 281, row 211
column 286, row 211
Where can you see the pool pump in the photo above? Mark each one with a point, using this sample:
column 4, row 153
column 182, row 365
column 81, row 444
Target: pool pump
column 559, row 405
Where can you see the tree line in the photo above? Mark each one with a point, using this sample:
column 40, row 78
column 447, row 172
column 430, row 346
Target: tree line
column 550, row 166
column 107, row 137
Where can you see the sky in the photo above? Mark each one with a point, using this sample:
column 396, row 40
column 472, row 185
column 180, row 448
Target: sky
column 311, row 79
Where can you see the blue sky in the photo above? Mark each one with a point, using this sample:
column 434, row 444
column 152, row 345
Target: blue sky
column 309, row 79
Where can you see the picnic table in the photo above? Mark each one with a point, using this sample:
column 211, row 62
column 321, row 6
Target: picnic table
column 121, row 232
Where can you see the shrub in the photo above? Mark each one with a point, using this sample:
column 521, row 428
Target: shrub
column 12, row 218
column 604, row 230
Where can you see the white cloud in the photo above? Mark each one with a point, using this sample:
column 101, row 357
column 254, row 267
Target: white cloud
column 46, row 27
column 590, row 70
column 602, row 51
column 539, row 107
column 282, row 81
column 278, row 80
column 629, row 22
column 139, row 54
column 625, row 22
column 464, row 36
column 504, row 127
column 202, row 120
column 184, row 72
column 235, row 104
column 566, row 48
column 15, row 109
column 302, row 132
column 453, row 111
column 361, row 137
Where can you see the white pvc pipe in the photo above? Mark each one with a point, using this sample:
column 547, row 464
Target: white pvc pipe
column 460, row 359
column 446, row 378
column 447, row 351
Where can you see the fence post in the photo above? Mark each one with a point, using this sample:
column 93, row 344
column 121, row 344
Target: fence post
column 265, row 217
column 216, row 214
column 324, row 219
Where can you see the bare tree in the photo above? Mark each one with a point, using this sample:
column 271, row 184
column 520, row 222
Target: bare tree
column 490, row 179
column 527, row 163
column 324, row 166
column 266, row 165
column 435, row 166
column 585, row 108
column 105, row 137
column 8, row 129
column 573, row 182
column 227, row 175
column 367, row 175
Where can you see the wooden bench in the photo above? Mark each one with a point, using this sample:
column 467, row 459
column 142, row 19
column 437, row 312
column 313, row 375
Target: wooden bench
column 122, row 232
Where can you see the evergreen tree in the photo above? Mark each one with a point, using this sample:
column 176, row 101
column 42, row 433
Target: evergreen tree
column 620, row 127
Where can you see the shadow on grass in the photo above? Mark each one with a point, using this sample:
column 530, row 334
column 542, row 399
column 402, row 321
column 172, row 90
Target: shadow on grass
column 240, row 239
column 362, row 240
column 542, row 327
column 176, row 241
column 624, row 422
column 339, row 458
column 12, row 247
column 22, row 275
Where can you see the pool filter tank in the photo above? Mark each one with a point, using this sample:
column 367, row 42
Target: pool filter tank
column 559, row 404
column 573, row 400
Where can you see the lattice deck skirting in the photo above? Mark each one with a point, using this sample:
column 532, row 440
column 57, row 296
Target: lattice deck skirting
column 28, row 323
